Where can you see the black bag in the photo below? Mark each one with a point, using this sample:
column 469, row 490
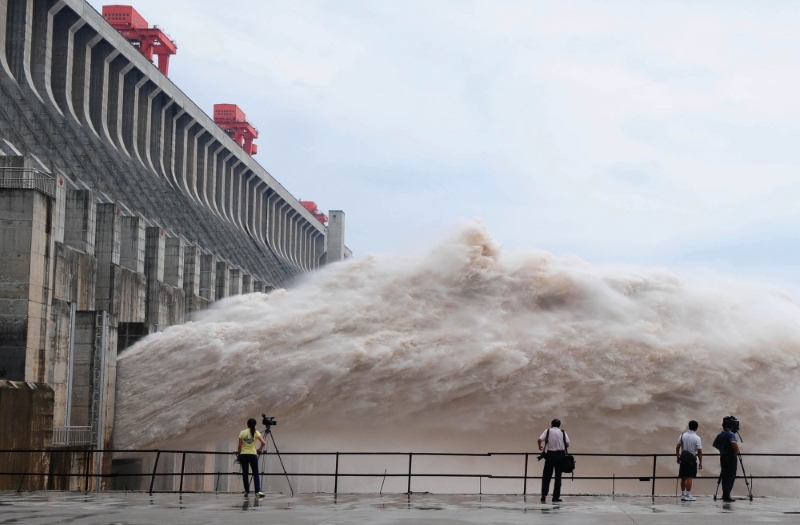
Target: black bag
column 568, row 461
column 687, row 458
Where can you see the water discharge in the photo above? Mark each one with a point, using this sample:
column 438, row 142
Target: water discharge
column 470, row 348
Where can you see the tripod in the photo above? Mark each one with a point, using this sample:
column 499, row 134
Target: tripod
column 744, row 475
column 268, row 432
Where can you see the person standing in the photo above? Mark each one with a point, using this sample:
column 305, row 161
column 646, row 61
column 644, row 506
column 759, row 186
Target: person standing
column 248, row 456
column 689, row 450
column 728, row 448
column 553, row 443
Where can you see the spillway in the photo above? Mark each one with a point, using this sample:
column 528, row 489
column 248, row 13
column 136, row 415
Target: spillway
column 469, row 347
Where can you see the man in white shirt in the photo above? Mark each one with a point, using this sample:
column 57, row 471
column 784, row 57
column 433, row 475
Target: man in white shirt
column 688, row 450
column 553, row 443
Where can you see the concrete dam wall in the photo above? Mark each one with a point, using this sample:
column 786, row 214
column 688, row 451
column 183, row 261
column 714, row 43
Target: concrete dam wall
column 123, row 209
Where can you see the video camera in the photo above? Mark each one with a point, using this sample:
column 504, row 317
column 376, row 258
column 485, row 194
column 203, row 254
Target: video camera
column 732, row 423
column 269, row 421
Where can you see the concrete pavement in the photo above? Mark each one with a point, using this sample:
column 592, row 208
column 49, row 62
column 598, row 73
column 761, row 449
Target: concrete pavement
column 40, row 508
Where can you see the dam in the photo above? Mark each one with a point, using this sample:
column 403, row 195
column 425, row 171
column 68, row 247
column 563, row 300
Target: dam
column 125, row 209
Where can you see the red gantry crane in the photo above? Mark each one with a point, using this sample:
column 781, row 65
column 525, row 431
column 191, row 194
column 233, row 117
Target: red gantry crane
column 233, row 121
column 149, row 40
column 311, row 206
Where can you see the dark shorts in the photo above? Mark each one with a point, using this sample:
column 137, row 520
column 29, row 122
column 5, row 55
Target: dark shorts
column 688, row 470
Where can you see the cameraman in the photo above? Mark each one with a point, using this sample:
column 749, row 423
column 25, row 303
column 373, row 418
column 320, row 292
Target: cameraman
column 728, row 448
column 248, row 456
column 553, row 443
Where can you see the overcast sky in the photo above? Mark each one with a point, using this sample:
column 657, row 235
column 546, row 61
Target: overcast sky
column 639, row 132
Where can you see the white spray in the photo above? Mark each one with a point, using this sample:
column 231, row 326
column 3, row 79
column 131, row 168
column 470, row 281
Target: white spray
column 468, row 348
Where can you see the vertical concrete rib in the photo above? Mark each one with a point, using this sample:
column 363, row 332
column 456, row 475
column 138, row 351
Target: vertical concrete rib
column 78, row 36
column 42, row 60
column 169, row 115
column 3, row 36
column 63, row 45
column 184, row 154
column 99, row 88
column 202, row 166
column 51, row 50
column 19, row 40
column 156, row 133
column 128, row 109
column 147, row 110
column 111, row 116
column 119, row 120
column 220, row 173
column 93, row 79
column 239, row 201
column 212, row 173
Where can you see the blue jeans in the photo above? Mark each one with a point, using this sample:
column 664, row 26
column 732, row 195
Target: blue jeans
column 248, row 461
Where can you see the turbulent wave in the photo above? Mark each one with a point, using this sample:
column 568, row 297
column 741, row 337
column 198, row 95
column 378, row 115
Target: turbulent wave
column 470, row 348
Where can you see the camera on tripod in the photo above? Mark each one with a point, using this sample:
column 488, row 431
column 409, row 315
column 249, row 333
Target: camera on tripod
column 732, row 423
column 269, row 421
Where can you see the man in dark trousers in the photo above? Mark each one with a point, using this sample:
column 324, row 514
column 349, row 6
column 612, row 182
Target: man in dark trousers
column 553, row 443
column 728, row 448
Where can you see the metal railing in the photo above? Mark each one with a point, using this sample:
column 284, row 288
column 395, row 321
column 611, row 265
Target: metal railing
column 27, row 179
column 71, row 436
column 522, row 459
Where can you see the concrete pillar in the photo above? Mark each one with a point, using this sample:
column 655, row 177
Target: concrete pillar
column 335, row 236
column 235, row 281
column 107, row 251
column 191, row 271
column 247, row 283
column 132, row 245
column 208, row 277
column 155, row 244
column 174, row 261
column 223, row 271
column 154, row 271
column 84, row 344
column 79, row 224
column 24, row 282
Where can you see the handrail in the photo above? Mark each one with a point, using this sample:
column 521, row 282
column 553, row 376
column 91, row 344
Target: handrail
column 27, row 179
column 524, row 476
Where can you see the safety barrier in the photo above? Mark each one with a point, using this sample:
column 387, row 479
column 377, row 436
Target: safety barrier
column 522, row 459
column 27, row 179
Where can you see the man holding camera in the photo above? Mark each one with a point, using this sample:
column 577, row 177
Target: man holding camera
column 689, row 450
column 728, row 448
column 553, row 443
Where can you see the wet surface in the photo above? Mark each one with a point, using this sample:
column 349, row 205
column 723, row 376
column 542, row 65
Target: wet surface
column 39, row 508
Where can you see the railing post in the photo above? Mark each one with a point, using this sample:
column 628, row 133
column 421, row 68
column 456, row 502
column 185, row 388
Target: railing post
column 86, row 470
column 155, row 466
column 410, row 455
column 336, row 476
column 653, row 490
column 183, row 466
column 525, row 479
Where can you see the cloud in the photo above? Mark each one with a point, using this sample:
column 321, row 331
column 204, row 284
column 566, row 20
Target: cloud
column 629, row 125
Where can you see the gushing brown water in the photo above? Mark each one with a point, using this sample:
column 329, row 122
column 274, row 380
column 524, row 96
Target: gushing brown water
column 469, row 348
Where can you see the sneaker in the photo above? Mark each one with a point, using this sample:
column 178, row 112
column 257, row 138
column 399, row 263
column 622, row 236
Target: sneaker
column 557, row 500
column 684, row 497
column 543, row 500
column 246, row 494
column 689, row 497
column 260, row 494
column 728, row 500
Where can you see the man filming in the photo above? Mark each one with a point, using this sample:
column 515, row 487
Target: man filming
column 728, row 448
column 553, row 443
column 689, row 450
